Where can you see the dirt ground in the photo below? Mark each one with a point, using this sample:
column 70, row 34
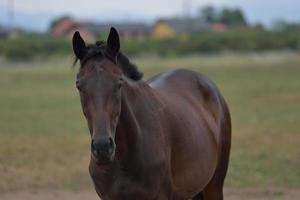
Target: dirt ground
column 230, row 194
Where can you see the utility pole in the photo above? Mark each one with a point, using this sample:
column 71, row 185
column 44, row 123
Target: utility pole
column 186, row 8
column 10, row 14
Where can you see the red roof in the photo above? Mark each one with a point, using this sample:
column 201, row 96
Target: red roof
column 218, row 27
column 64, row 27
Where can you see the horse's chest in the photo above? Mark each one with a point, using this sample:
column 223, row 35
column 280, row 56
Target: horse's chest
column 118, row 184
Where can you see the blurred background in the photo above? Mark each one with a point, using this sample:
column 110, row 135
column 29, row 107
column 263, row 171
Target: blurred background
column 250, row 48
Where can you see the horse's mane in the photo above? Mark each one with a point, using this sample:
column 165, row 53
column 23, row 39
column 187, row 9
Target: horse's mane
column 98, row 50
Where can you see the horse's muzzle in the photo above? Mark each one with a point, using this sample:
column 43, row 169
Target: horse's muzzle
column 103, row 151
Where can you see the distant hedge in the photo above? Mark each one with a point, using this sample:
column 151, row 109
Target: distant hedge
column 30, row 46
column 210, row 42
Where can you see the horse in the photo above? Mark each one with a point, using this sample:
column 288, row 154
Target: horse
column 165, row 138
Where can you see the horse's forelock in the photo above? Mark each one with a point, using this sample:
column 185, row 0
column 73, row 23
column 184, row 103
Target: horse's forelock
column 129, row 69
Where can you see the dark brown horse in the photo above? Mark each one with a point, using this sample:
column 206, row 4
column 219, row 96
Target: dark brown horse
column 165, row 138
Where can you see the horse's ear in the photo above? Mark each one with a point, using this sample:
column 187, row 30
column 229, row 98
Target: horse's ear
column 79, row 46
column 113, row 42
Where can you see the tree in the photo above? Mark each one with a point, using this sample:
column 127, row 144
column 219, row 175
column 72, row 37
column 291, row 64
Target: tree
column 208, row 13
column 280, row 25
column 234, row 17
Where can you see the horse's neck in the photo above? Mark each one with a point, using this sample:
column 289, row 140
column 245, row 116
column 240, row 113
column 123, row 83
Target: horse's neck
column 139, row 105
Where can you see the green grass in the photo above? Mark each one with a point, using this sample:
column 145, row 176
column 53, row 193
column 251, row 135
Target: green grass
column 44, row 142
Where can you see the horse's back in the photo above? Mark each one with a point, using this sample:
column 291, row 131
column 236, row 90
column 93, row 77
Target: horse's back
column 195, row 110
column 186, row 89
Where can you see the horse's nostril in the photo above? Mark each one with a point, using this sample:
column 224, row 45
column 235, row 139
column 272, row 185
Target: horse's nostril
column 93, row 148
column 102, row 147
column 92, row 145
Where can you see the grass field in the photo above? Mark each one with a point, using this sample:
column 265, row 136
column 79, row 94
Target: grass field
column 44, row 143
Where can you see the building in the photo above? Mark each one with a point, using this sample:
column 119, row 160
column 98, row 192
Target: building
column 218, row 27
column 9, row 33
column 165, row 28
column 3, row 33
column 67, row 26
column 126, row 30
column 92, row 31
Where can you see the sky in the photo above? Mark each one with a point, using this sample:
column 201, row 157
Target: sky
column 37, row 14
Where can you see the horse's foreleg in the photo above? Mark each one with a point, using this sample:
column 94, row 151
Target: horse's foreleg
column 198, row 197
column 213, row 193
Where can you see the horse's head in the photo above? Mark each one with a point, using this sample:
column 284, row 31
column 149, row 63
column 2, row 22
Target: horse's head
column 99, row 82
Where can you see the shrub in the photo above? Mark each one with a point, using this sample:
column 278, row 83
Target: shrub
column 31, row 46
